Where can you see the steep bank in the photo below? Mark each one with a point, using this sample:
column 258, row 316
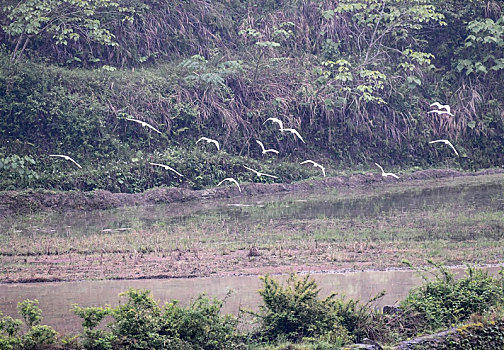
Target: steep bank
column 357, row 82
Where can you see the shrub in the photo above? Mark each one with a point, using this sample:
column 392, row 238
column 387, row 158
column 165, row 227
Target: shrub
column 295, row 311
column 36, row 336
column 201, row 324
column 445, row 300
column 141, row 323
column 15, row 170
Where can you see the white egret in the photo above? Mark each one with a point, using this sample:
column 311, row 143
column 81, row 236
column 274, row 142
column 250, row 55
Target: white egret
column 440, row 106
column 295, row 132
column 315, row 164
column 384, row 174
column 215, row 142
column 258, row 173
column 144, row 124
column 264, row 151
column 446, row 142
column 441, row 112
column 275, row 120
column 65, row 157
column 231, row 180
column 167, row 168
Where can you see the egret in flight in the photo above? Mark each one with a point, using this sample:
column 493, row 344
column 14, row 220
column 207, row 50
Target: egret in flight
column 231, row 180
column 446, row 142
column 441, row 112
column 295, row 132
column 264, row 151
column 167, row 168
column 258, row 173
column 315, row 164
column 215, row 142
column 144, row 124
column 67, row 158
column 275, row 120
column 439, row 106
column 384, row 174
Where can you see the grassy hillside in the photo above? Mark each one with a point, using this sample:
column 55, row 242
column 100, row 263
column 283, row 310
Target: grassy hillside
column 355, row 78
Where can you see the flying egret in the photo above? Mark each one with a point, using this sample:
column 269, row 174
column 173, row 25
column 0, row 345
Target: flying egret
column 215, row 142
column 167, row 168
column 446, row 142
column 440, row 106
column 315, row 164
column 231, row 180
column 144, row 124
column 384, row 174
column 275, row 120
column 65, row 157
column 264, row 151
column 441, row 112
column 258, row 173
column 295, row 132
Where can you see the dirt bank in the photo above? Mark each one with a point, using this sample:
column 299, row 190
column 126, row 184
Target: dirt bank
column 14, row 202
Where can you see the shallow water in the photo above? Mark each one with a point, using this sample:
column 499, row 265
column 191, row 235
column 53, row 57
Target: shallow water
column 56, row 298
column 243, row 212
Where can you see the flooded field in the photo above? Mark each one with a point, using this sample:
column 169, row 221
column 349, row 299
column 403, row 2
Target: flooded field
column 450, row 220
column 469, row 194
column 224, row 244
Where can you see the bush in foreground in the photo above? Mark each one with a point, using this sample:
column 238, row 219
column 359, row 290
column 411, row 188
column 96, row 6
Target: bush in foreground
column 292, row 316
column 141, row 323
column 445, row 300
column 37, row 335
column 295, row 312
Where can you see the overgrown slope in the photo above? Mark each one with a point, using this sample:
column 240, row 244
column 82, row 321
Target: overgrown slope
column 356, row 78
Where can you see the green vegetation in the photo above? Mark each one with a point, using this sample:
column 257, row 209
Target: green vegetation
column 37, row 335
column 294, row 312
column 355, row 77
column 141, row 323
column 292, row 316
column 445, row 300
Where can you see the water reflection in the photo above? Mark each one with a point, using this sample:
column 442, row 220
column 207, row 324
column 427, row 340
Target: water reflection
column 56, row 299
column 255, row 210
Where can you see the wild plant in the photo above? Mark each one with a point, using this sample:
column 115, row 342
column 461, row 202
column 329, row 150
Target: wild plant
column 141, row 323
column 444, row 300
column 35, row 336
column 294, row 311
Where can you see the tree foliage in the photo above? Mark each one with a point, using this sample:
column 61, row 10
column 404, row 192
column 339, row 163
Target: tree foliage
column 356, row 77
column 61, row 23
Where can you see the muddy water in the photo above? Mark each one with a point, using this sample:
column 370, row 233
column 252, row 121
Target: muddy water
column 477, row 194
column 56, row 299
